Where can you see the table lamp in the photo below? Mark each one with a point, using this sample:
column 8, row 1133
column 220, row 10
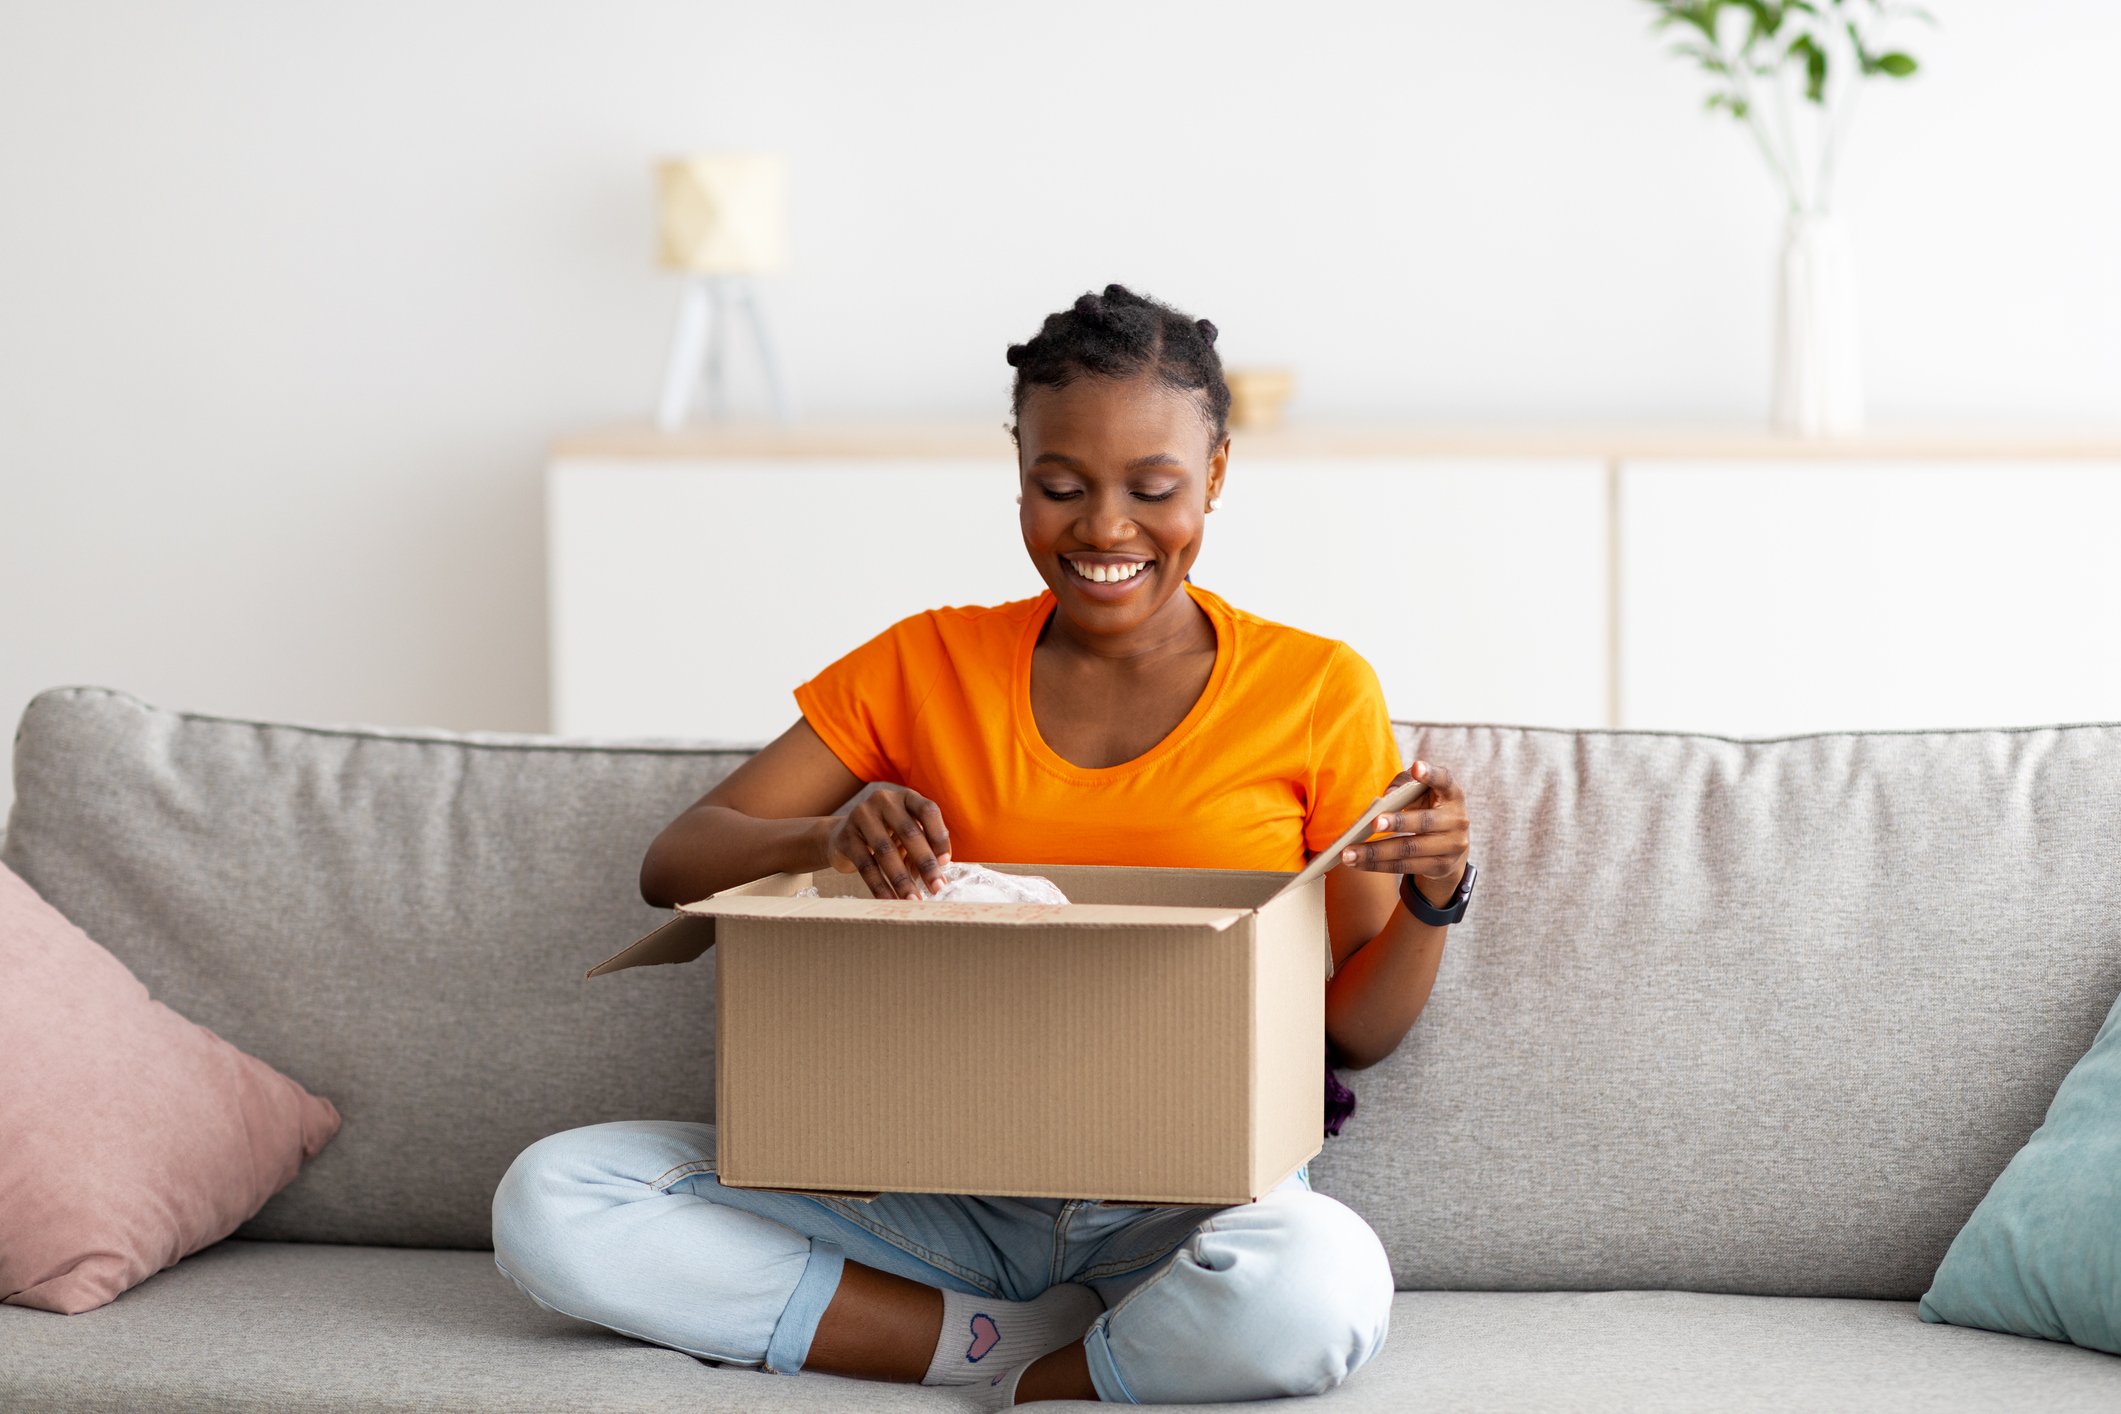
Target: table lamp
column 724, row 219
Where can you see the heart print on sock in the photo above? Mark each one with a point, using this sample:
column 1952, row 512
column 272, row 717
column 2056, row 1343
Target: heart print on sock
column 985, row 1334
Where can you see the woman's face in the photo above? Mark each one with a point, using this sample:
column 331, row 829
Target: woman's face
column 1117, row 474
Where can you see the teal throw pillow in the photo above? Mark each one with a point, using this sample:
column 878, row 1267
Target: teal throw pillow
column 2042, row 1253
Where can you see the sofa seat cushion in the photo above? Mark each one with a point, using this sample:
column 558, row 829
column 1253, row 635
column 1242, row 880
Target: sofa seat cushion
column 297, row 1326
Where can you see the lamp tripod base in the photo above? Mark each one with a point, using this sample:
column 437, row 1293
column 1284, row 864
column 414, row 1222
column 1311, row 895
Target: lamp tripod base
column 699, row 348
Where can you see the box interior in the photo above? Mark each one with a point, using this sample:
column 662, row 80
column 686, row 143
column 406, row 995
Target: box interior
column 1086, row 883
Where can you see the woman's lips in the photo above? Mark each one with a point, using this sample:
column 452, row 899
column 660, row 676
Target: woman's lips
column 1110, row 591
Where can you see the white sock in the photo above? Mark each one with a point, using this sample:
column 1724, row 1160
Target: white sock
column 1000, row 1392
column 983, row 1336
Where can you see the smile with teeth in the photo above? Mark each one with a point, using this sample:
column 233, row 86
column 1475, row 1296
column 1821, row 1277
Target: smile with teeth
column 1108, row 574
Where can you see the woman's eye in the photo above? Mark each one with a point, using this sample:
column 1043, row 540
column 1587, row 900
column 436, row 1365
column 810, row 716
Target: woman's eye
column 1053, row 495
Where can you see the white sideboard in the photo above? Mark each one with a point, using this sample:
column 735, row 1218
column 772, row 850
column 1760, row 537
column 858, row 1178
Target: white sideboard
column 1681, row 579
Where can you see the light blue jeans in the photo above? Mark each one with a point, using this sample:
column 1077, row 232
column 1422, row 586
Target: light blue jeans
column 625, row 1225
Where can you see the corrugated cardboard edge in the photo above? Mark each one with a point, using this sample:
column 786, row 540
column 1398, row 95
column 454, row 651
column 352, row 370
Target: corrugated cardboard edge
column 1286, row 1086
column 910, row 913
column 691, row 933
column 870, row 1197
column 847, row 1196
column 1398, row 798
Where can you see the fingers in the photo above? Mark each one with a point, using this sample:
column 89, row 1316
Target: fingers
column 892, row 840
column 931, row 817
column 1414, row 822
column 887, row 873
column 1436, row 778
column 1444, row 812
column 1408, row 854
column 864, row 835
column 911, row 837
column 852, row 842
column 874, row 878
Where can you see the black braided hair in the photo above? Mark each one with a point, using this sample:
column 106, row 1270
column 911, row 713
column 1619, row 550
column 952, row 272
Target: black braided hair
column 1118, row 334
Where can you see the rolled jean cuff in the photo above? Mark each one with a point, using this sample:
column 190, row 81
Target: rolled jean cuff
column 790, row 1345
column 1104, row 1375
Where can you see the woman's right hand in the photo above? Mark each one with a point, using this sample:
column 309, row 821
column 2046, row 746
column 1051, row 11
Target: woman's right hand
column 895, row 839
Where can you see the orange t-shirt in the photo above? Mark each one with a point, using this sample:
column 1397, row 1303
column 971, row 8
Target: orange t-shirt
column 1288, row 744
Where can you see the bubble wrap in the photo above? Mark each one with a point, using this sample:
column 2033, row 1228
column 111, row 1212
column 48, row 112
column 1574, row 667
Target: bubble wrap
column 975, row 883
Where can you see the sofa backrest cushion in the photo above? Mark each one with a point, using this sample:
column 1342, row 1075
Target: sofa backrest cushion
column 399, row 921
column 1751, row 1016
column 1760, row 1016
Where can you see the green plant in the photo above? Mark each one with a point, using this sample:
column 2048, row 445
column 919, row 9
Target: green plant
column 1771, row 57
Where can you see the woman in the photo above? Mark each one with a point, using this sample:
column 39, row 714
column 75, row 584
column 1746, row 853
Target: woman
column 1123, row 716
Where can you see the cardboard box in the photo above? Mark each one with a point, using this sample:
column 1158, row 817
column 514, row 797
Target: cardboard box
column 1160, row 1038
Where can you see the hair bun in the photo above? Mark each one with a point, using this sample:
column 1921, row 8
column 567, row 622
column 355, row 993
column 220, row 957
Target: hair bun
column 1118, row 292
column 1090, row 306
column 1207, row 329
column 1016, row 354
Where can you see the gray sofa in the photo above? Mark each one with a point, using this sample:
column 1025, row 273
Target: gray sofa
column 1732, row 1041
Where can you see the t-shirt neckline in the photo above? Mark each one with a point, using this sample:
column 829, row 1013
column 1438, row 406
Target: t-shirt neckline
column 1027, row 732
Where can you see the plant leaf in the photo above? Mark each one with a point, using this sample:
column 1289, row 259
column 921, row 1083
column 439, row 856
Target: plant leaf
column 1803, row 47
column 1897, row 64
column 1701, row 16
column 1766, row 20
column 1865, row 60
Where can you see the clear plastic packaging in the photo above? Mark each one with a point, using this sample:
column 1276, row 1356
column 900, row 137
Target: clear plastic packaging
column 975, row 883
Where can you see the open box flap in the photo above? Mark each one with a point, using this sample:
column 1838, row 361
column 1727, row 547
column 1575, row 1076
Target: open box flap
column 682, row 939
column 691, row 932
column 1392, row 800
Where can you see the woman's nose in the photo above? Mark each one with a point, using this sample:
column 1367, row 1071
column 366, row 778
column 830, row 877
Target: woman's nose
column 1105, row 521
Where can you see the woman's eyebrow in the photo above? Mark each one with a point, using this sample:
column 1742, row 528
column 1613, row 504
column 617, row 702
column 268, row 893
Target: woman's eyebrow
column 1138, row 464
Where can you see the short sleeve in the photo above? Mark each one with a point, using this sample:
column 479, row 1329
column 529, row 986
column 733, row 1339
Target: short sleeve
column 1354, row 754
column 864, row 703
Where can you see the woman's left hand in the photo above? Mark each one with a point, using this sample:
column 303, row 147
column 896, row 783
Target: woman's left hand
column 1430, row 843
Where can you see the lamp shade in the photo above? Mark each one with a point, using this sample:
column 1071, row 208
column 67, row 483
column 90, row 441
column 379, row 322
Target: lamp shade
column 724, row 213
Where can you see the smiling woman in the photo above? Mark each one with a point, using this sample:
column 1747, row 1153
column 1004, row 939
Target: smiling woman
column 1124, row 715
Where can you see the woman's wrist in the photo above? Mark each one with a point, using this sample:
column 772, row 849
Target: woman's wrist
column 1438, row 892
column 814, row 848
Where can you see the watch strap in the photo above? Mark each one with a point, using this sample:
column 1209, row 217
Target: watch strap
column 1429, row 913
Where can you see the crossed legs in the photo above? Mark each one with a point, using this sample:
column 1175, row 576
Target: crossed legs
column 625, row 1225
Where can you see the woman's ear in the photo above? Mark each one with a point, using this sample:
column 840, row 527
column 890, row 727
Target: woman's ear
column 1218, row 463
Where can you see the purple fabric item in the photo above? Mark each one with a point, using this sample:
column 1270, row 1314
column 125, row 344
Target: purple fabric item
column 1340, row 1102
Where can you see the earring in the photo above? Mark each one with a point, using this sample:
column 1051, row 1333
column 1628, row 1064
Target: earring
column 1019, row 498
column 1214, row 501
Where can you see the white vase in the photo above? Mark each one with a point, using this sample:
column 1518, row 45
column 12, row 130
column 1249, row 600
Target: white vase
column 1818, row 358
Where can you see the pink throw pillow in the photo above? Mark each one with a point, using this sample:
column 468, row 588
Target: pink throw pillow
column 129, row 1136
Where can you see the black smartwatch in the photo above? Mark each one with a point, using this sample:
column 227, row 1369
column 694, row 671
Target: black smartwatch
column 1428, row 912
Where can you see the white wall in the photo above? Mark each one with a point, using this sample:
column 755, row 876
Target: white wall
column 293, row 296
